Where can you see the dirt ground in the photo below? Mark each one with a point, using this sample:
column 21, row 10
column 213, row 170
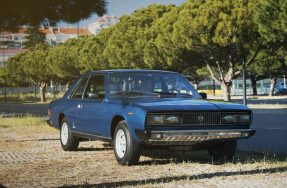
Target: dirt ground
column 36, row 159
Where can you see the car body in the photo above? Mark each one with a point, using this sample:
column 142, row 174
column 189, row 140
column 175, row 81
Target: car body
column 135, row 109
column 278, row 89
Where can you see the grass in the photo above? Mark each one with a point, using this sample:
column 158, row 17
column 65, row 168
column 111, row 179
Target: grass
column 26, row 126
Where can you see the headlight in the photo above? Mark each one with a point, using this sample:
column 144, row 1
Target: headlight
column 235, row 118
column 163, row 119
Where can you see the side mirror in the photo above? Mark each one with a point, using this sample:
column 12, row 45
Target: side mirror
column 94, row 96
column 203, row 95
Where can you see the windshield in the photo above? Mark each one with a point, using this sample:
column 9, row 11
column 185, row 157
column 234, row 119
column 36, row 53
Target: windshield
column 150, row 84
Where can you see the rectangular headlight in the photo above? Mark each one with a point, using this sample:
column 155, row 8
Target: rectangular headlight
column 163, row 119
column 235, row 118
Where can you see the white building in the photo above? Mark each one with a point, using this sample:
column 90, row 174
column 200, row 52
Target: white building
column 14, row 40
column 104, row 22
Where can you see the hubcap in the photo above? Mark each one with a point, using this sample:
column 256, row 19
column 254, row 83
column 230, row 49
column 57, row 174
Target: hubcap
column 64, row 133
column 121, row 143
column 216, row 148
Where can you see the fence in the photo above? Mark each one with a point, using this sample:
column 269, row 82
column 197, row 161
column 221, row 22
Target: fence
column 16, row 94
column 237, row 87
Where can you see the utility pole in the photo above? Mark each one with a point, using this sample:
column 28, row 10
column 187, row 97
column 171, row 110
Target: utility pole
column 244, row 79
column 35, row 97
column 4, row 66
column 213, row 87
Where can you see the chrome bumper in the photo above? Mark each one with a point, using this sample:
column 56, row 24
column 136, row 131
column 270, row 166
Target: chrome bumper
column 191, row 137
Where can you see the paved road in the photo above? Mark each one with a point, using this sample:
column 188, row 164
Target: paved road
column 21, row 109
column 271, row 133
column 262, row 101
column 271, row 129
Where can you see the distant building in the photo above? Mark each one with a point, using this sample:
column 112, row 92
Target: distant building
column 104, row 22
column 15, row 40
column 8, row 53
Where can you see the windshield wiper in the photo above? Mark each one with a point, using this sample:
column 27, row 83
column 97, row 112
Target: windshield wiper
column 128, row 93
column 185, row 94
column 163, row 93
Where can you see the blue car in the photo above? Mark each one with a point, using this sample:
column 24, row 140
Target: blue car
column 136, row 109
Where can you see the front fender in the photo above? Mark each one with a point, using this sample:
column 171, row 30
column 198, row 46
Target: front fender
column 134, row 115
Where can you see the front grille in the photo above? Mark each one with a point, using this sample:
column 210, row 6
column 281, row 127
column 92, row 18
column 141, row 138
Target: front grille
column 211, row 118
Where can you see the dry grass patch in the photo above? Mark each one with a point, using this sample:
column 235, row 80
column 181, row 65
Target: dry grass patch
column 25, row 127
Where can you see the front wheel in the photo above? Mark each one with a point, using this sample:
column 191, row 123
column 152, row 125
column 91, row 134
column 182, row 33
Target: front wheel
column 68, row 141
column 222, row 151
column 127, row 150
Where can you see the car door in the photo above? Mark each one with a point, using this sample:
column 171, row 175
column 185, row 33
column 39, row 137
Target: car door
column 91, row 113
column 72, row 104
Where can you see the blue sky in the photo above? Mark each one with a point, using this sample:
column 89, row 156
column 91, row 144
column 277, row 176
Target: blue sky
column 121, row 7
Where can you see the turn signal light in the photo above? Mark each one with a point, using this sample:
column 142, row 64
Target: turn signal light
column 49, row 113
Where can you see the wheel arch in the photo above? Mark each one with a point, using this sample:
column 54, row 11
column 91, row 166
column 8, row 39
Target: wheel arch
column 61, row 117
column 114, row 124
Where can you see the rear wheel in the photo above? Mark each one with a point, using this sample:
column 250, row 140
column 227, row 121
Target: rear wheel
column 127, row 150
column 222, row 151
column 68, row 141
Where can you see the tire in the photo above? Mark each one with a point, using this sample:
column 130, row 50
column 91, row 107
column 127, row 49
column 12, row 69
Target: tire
column 68, row 141
column 126, row 149
column 220, row 151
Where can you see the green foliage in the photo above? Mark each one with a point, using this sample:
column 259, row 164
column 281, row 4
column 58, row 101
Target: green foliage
column 92, row 52
column 125, row 46
column 14, row 73
column 34, row 37
column 271, row 16
column 273, row 64
column 63, row 60
column 15, row 13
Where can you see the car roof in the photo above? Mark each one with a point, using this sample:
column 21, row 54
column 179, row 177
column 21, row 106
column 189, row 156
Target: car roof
column 130, row 70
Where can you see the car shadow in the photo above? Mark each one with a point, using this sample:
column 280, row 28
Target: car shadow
column 169, row 179
column 94, row 149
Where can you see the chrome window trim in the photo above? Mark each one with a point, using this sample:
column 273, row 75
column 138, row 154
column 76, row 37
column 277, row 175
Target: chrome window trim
column 77, row 85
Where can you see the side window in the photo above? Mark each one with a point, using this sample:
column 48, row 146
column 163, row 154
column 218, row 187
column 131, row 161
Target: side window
column 96, row 84
column 78, row 93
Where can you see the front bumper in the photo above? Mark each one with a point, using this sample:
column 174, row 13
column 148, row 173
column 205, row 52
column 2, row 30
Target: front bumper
column 190, row 137
column 50, row 122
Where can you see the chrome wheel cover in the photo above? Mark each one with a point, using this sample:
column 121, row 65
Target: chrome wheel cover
column 121, row 143
column 64, row 133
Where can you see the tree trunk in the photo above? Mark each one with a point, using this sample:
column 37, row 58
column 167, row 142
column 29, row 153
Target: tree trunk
column 195, row 85
column 272, row 85
column 253, row 82
column 226, row 92
column 42, row 91
column 67, row 85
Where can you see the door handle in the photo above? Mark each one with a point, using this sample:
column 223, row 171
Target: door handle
column 80, row 106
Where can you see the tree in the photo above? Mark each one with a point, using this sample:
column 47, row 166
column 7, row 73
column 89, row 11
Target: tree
column 92, row 53
column 273, row 66
column 271, row 16
column 64, row 60
column 255, row 75
column 125, row 46
column 34, row 37
column 221, row 31
column 35, row 68
column 15, row 13
column 161, row 52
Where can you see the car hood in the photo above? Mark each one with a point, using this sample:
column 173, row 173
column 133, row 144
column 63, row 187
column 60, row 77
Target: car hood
column 179, row 104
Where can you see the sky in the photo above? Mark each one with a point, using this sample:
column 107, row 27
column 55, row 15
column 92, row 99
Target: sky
column 121, row 7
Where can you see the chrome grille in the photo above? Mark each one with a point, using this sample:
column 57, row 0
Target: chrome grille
column 208, row 119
